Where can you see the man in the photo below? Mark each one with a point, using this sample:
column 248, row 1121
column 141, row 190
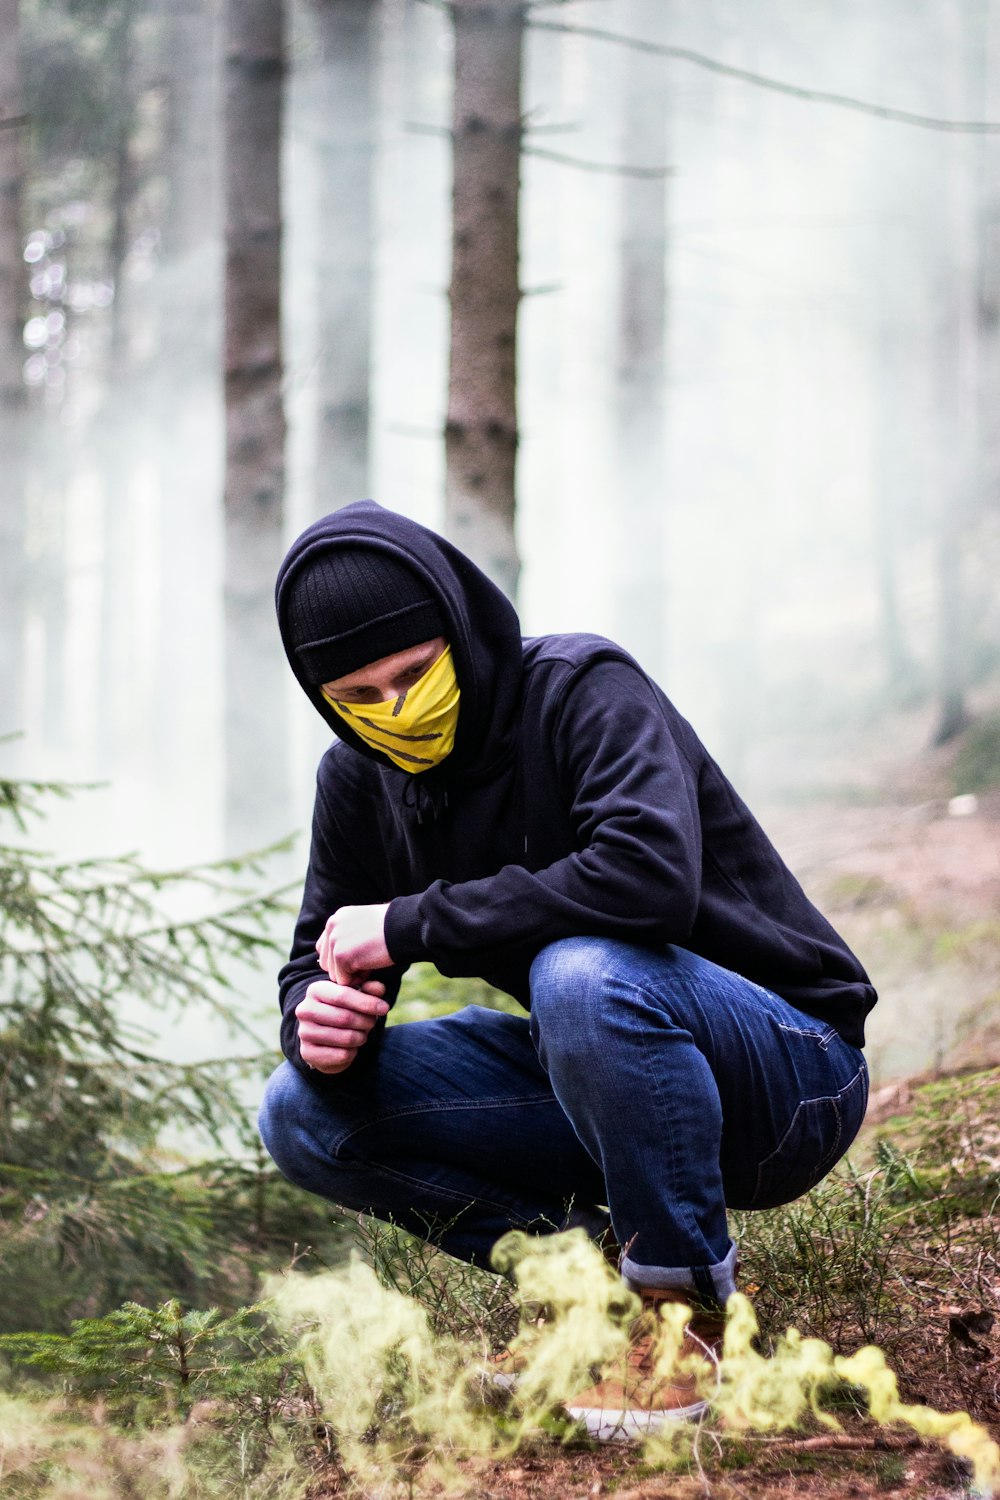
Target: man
column 536, row 812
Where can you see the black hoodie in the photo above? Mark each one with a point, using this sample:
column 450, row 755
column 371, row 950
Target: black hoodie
column 577, row 801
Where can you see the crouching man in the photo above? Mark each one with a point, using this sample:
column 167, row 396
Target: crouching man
column 536, row 812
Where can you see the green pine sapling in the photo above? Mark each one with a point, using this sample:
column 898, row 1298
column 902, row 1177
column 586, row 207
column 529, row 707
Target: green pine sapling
column 93, row 1208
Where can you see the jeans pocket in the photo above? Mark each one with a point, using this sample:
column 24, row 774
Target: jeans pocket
column 819, row 1133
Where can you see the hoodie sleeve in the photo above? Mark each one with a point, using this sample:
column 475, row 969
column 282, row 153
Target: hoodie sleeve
column 332, row 880
column 635, row 875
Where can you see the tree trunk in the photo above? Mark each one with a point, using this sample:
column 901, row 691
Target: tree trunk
column 254, row 671
column 191, row 140
column 12, row 392
column 481, row 428
column 890, row 355
column 13, row 403
column 190, row 348
column 119, row 419
column 642, row 313
column 344, row 123
column 959, row 368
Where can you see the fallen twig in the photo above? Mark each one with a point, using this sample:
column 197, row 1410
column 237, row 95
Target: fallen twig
column 838, row 1441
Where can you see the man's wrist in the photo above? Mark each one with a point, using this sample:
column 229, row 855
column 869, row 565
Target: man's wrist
column 402, row 931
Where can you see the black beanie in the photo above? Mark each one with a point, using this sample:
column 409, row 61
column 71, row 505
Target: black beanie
column 351, row 606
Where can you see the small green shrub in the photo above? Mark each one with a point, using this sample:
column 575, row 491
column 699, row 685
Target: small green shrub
column 156, row 1364
column 825, row 1263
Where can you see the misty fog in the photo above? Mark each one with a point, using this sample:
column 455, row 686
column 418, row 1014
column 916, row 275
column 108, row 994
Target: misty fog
column 822, row 411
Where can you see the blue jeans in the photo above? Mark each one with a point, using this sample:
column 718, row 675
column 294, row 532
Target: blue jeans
column 655, row 1083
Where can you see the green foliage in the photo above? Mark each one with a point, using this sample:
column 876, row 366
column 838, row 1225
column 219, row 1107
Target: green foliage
column 461, row 1301
column 826, row 1262
column 426, row 994
column 906, row 1225
column 943, row 1156
column 160, row 1362
column 91, row 1204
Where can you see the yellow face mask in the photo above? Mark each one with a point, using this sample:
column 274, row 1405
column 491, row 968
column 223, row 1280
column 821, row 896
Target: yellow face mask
column 417, row 730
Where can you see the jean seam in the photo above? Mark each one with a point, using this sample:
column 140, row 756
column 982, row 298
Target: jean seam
column 466, row 1199
column 823, row 1038
column 434, row 1109
column 827, row 1160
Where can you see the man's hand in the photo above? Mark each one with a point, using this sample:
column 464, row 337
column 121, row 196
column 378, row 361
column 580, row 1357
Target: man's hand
column 352, row 943
column 334, row 1022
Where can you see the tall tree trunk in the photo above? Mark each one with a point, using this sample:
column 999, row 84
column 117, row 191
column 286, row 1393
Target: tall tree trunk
column 191, row 140
column 257, row 798
column 13, row 404
column 190, row 345
column 642, row 314
column 118, row 417
column 345, row 124
column 481, row 428
column 964, row 37
column 889, row 477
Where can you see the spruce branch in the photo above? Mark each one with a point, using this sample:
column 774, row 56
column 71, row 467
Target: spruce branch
column 85, row 1101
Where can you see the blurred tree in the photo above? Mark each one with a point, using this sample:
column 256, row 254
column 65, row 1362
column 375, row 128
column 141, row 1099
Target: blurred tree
column 94, row 1204
column 189, row 339
column 958, row 369
column 116, row 422
column 481, row 426
column 344, row 116
column 13, row 402
column 189, row 59
column 257, row 774
column 641, row 501
column 91, row 209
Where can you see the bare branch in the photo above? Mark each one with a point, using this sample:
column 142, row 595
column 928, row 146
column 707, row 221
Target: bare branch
column 596, row 166
column 834, row 1442
column 775, row 85
column 417, row 128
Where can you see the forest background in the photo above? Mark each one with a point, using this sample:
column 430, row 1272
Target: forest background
column 683, row 318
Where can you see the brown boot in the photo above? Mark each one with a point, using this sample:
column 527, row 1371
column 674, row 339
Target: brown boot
column 629, row 1400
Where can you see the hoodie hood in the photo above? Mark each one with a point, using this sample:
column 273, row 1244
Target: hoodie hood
column 482, row 629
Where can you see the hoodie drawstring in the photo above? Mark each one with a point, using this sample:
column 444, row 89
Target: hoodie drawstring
column 427, row 801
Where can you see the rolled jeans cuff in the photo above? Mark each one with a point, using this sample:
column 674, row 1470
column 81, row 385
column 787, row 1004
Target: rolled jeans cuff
column 711, row 1283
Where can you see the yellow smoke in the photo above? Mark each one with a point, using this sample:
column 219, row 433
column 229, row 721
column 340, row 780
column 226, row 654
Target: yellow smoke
column 587, row 1313
column 410, row 1407
column 402, row 1399
column 52, row 1452
column 396, row 1396
column 956, row 1429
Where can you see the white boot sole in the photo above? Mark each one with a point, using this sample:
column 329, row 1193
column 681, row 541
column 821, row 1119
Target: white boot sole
column 606, row 1426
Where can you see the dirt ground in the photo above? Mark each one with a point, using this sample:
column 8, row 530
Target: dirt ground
column 776, row 1470
column 902, row 847
column 859, row 1465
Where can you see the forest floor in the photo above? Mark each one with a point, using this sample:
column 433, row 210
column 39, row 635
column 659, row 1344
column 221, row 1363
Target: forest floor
column 909, row 873
column 901, row 1250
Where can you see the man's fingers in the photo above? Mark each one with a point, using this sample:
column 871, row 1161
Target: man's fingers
column 327, row 1059
column 334, row 1021
column 331, row 1018
column 326, row 992
column 354, row 979
column 324, row 949
column 329, row 1038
